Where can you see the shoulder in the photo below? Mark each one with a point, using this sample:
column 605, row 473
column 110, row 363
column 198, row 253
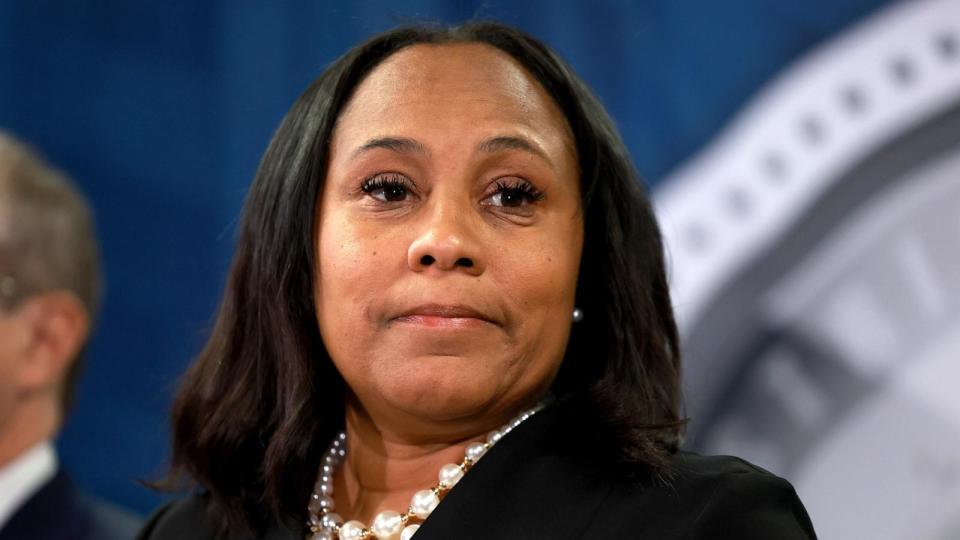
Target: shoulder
column 110, row 522
column 59, row 510
column 186, row 519
column 194, row 518
column 708, row 474
column 714, row 497
column 559, row 474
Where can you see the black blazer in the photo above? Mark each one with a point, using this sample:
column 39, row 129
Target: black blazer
column 58, row 511
column 555, row 477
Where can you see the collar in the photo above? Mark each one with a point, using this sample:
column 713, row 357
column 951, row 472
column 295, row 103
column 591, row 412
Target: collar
column 22, row 477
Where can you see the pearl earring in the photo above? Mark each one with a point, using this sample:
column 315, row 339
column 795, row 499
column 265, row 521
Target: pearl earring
column 577, row 314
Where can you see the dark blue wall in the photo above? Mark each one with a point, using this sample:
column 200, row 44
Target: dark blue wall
column 160, row 110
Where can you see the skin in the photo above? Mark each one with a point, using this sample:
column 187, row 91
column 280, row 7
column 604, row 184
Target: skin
column 441, row 125
column 39, row 340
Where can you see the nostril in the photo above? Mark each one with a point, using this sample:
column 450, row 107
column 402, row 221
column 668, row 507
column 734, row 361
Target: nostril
column 426, row 260
column 464, row 262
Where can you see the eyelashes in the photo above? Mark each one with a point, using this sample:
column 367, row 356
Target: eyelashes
column 515, row 192
column 511, row 192
column 387, row 187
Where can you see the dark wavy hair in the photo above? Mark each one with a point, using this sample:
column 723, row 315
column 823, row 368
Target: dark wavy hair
column 263, row 399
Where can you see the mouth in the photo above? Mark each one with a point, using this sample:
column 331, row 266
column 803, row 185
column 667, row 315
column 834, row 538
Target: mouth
column 445, row 316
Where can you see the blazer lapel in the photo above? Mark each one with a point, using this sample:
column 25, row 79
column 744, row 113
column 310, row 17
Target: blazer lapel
column 529, row 485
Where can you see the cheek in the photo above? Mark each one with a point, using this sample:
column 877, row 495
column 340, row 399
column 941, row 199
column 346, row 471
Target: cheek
column 350, row 259
column 355, row 267
column 545, row 275
column 8, row 375
column 542, row 283
column 341, row 278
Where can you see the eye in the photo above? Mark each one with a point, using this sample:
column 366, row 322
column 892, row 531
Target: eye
column 387, row 187
column 514, row 193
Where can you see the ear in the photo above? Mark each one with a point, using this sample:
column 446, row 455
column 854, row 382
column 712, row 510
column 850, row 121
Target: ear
column 58, row 324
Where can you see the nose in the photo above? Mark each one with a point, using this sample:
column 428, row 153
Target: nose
column 446, row 243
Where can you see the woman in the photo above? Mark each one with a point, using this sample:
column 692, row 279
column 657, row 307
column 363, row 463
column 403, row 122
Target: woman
column 446, row 254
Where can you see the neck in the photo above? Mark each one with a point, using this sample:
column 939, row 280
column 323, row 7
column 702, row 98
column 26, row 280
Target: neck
column 30, row 423
column 384, row 469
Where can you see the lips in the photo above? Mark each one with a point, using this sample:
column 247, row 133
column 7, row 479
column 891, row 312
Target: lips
column 444, row 315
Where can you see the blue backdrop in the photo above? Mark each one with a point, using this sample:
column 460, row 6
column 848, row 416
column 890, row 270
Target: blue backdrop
column 162, row 110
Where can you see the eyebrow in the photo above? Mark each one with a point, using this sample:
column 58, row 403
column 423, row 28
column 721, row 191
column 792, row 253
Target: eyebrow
column 497, row 144
column 405, row 145
column 401, row 145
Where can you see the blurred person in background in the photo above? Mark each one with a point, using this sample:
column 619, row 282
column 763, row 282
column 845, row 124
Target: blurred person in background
column 49, row 290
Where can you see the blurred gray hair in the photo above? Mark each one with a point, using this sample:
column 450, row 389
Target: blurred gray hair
column 47, row 237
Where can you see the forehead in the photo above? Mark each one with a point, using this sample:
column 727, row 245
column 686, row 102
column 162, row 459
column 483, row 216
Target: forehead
column 436, row 85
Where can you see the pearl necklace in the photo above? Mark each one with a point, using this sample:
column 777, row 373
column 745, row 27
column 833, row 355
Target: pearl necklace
column 324, row 524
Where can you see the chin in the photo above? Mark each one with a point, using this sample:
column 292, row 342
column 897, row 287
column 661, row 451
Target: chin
column 442, row 388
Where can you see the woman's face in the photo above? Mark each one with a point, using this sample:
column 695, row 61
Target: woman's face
column 449, row 236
